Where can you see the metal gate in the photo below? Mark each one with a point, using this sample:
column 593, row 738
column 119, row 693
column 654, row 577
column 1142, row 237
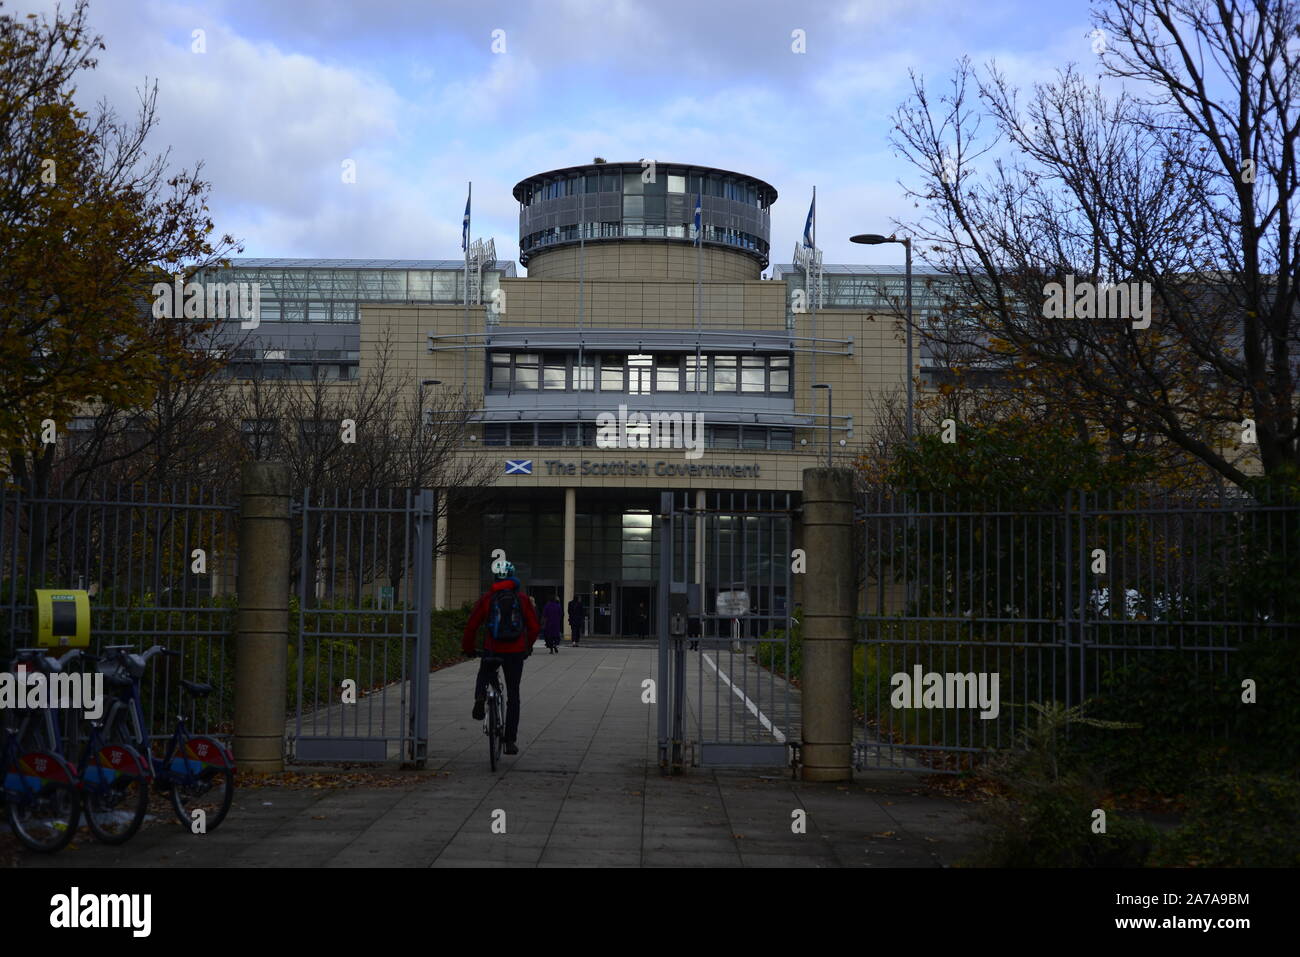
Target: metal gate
column 363, row 619
column 726, row 611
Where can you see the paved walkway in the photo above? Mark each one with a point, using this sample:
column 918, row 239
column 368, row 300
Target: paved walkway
column 585, row 789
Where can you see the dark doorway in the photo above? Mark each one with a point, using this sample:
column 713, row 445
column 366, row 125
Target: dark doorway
column 636, row 611
column 601, row 608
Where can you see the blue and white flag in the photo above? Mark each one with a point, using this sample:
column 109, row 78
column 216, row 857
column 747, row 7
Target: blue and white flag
column 699, row 226
column 464, row 228
column 808, row 226
column 519, row 466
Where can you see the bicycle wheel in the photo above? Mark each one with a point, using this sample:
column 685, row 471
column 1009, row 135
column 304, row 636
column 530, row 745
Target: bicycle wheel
column 116, row 788
column 42, row 801
column 212, row 789
column 494, row 730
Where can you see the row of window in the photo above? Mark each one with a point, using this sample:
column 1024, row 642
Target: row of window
column 638, row 374
column 583, row 434
column 306, row 371
column 632, row 184
column 637, row 228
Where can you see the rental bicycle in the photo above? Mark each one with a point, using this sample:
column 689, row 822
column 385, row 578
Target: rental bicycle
column 494, row 721
column 113, row 777
column 197, row 771
column 41, row 797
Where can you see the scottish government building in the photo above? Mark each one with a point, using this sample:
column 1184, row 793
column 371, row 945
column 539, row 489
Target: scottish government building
column 630, row 360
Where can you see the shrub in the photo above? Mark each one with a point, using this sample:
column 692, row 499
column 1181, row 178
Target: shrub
column 1238, row 821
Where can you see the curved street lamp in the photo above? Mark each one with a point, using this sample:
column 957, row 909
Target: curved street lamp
column 875, row 239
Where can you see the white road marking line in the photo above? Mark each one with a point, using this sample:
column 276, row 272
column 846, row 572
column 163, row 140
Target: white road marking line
column 776, row 732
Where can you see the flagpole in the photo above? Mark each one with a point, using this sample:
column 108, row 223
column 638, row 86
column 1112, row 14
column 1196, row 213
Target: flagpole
column 810, row 272
column 469, row 197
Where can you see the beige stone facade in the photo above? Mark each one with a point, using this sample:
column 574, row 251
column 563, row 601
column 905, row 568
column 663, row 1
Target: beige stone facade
column 630, row 289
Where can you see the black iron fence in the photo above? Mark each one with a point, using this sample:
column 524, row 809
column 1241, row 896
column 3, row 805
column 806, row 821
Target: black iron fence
column 974, row 612
column 158, row 562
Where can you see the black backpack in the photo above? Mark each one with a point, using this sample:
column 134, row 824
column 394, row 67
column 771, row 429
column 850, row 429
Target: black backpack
column 506, row 621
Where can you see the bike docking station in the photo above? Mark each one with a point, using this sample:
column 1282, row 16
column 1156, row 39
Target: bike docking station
column 61, row 619
column 49, row 787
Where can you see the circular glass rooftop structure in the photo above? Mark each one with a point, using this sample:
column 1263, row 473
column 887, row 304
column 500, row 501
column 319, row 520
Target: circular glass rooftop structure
column 644, row 201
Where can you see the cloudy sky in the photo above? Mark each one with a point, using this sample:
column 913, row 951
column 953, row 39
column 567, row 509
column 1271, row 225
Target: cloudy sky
column 413, row 92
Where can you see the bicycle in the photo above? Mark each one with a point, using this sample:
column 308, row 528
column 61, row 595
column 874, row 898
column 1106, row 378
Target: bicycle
column 194, row 769
column 41, row 795
column 494, row 721
column 113, row 778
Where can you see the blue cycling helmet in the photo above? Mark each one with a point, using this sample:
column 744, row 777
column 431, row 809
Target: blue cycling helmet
column 503, row 569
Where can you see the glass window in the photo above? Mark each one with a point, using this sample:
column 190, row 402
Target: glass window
column 499, row 372
column 638, row 374
column 779, row 374
column 668, row 373
column 753, row 437
column 573, row 185
column 676, row 184
column 632, row 185
column 526, row 370
column 550, row 433
column 420, row 284
column 584, row 373
column 724, row 373
column 496, row 434
column 555, row 372
column 753, row 374
column 695, row 378
column 611, row 373
column 657, row 186
column 593, row 182
column 726, row 436
column 781, row 439
column 394, row 284
column 694, row 184
column 655, row 208
column 609, row 182
column 633, row 208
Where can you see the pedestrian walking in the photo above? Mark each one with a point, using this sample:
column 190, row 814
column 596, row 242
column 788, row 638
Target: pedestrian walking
column 577, row 618
column 552, row 624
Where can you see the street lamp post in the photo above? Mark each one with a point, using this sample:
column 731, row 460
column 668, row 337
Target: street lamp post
column 830, row 419
column 420, row 398
column 875, row 239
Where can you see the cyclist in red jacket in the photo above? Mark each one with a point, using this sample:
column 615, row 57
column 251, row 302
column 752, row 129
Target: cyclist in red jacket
column 512, row 629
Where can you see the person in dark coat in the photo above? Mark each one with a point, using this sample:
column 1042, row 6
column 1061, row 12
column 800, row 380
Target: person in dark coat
column 552, row 624
column 693, row 632
column 577, row 618
column 642, row 620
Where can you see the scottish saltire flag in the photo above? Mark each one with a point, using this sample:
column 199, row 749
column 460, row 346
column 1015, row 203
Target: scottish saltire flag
column 699, row 228
column 464, row 228
column 519, row 466
column 808, row 226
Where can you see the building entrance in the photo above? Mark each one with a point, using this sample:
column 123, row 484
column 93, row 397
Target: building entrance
column 636, row 611
column 601, row 609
